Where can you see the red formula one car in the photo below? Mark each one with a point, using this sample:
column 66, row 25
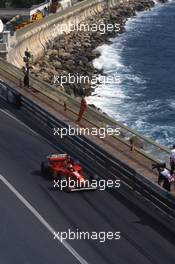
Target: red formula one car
column 66, row 173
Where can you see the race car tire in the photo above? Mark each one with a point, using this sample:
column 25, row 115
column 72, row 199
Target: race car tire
column 45, row 171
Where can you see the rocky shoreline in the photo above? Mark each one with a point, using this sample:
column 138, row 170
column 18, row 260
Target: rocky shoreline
column 73, row 54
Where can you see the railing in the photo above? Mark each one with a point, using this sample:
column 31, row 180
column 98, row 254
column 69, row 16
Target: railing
column 149, row 148
column 3, row 47
column 157, row 197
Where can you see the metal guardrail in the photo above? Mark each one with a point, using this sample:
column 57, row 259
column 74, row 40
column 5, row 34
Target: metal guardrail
column 3, row 47
column 150, row 149
column 157, row 196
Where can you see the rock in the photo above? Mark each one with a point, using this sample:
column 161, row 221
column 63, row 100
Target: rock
column 57, row 64
column 45, row 63
column 83, row 59
column 96, row 53
column 70, row 62
column 52, row 52
column 35, row 69
column 60, row 51
column 74, row 52
column 45, row 76
column 63, row 54
column 86, row 44
column 78, row 45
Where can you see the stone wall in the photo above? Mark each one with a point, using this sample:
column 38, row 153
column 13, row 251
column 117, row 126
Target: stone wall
column 36, row 36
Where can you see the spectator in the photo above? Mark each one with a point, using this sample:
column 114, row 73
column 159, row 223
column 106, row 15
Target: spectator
column 172, row 160
column 167, row 178
column 83, row 107
column 164, row 176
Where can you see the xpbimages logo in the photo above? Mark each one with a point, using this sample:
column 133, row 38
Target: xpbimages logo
column 100, row 184
column 81, row 131
column 94, row 81
column 102, row 28
column 102, row 236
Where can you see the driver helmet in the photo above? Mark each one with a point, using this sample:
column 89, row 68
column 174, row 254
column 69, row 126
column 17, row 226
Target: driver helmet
column 70, row 167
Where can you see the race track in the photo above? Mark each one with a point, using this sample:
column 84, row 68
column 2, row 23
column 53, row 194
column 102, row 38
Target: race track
column 25, row 239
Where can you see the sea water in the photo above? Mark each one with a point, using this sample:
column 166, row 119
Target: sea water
column 143, row 59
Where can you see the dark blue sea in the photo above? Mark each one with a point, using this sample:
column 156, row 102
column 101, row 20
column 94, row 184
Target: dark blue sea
column 143, row 59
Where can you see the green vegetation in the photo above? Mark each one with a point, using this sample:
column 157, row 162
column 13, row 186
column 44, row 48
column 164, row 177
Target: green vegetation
column 19, row 3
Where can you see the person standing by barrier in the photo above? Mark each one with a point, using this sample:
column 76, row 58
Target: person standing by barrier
column 172, row 160
column 164, row 176
column 131, row 141
column 26, row 68
column 167, row 178
column 83, row 107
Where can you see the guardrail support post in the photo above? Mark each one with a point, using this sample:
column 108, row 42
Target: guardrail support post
column 20, row 83
column 65, row 106
column 131, row 144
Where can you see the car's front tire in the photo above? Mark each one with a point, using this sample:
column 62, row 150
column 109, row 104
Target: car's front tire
column 43, row 169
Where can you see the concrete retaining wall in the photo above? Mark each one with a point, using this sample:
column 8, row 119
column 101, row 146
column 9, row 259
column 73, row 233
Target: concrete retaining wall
column 36, row 36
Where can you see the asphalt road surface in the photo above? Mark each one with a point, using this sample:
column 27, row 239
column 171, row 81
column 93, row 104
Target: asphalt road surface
column 30, row 210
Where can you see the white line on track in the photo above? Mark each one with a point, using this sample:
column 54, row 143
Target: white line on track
column 30, row 207
column 42, row 220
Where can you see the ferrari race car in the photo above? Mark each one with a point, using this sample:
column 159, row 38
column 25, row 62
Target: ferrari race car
column 66, row 173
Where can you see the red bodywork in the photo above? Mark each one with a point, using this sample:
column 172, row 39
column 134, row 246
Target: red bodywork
column 61, row 168
column 60, row 165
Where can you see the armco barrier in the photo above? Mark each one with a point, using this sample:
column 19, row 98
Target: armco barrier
column 158, row 197
column 10, row 95
column 36, row 36
column 151, row 149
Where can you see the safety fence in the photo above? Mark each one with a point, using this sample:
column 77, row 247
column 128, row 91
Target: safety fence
column 156, row 196
column 144, row 146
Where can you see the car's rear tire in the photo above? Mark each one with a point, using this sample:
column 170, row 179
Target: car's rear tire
column 45, row 170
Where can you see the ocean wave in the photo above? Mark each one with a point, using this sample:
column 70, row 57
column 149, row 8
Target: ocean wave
column 160, row 133
column 102, row 62
column 172, row 104
column 129, row 100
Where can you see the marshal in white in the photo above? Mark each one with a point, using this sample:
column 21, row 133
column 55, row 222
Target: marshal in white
column 1, row 26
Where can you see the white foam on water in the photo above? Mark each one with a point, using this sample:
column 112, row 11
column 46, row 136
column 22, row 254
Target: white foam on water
column 109, row 59
column 161, row 134
column 136, row 79
column 111, row 63
column 116, row 99
column 171, row 103
column 156, row 1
